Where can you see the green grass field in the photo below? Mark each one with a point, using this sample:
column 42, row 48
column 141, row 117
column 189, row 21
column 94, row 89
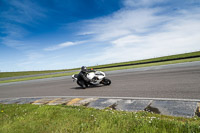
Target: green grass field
column 153, row 59
column 63, row 119
column 151, row 64
column 13, row 74
column 106, row 69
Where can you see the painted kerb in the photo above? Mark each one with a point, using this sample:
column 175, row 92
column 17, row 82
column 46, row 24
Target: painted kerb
column 180, row 108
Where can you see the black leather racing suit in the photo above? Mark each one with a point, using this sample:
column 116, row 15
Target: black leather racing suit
column 82, row 78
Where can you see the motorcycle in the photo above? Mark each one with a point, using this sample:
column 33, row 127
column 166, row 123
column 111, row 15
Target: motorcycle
column 97, row 78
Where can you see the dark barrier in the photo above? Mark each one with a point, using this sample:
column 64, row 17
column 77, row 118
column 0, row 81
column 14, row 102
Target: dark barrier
column 139, row 63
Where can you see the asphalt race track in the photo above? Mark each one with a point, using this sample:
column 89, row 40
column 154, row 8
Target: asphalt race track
column 180, row 81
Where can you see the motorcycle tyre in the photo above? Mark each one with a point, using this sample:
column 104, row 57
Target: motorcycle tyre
column 106, row 81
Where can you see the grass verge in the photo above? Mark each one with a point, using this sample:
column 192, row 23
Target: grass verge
column 106, row 69
column 151, row 64
column 38, row 77
column 45, row 119
column 185, row 55
column 14, row 74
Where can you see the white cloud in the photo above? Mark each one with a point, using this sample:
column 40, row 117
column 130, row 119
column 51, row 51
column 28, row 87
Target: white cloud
column 62, row 45
column 172, row 39
column 133, row 34
column 59, row 46
column 128, row 41
column 19, row 12
column 24, row 12
column 123, row 23
column 141, row 3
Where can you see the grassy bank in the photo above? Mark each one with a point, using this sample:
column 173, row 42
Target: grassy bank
column 13, row 74
column 151, row 64
column 44, row 119
column 38, row 77
column 153, row 59
column 105, row 69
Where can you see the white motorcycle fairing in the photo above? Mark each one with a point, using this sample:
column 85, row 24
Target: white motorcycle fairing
column 96, row 77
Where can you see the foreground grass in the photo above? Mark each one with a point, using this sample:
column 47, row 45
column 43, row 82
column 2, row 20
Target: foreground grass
column 61, row 119
column 106, row 69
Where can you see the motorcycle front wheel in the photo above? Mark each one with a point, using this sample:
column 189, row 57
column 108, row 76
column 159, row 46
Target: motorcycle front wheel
column 106, row 81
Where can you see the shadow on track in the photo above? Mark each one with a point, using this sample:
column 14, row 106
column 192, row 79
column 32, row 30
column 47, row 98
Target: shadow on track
column 89, row 87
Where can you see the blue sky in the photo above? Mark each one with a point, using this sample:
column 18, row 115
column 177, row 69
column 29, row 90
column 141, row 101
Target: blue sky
column 60, row 34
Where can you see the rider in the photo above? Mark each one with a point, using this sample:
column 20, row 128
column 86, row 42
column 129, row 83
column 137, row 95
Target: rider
column 82, row 77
